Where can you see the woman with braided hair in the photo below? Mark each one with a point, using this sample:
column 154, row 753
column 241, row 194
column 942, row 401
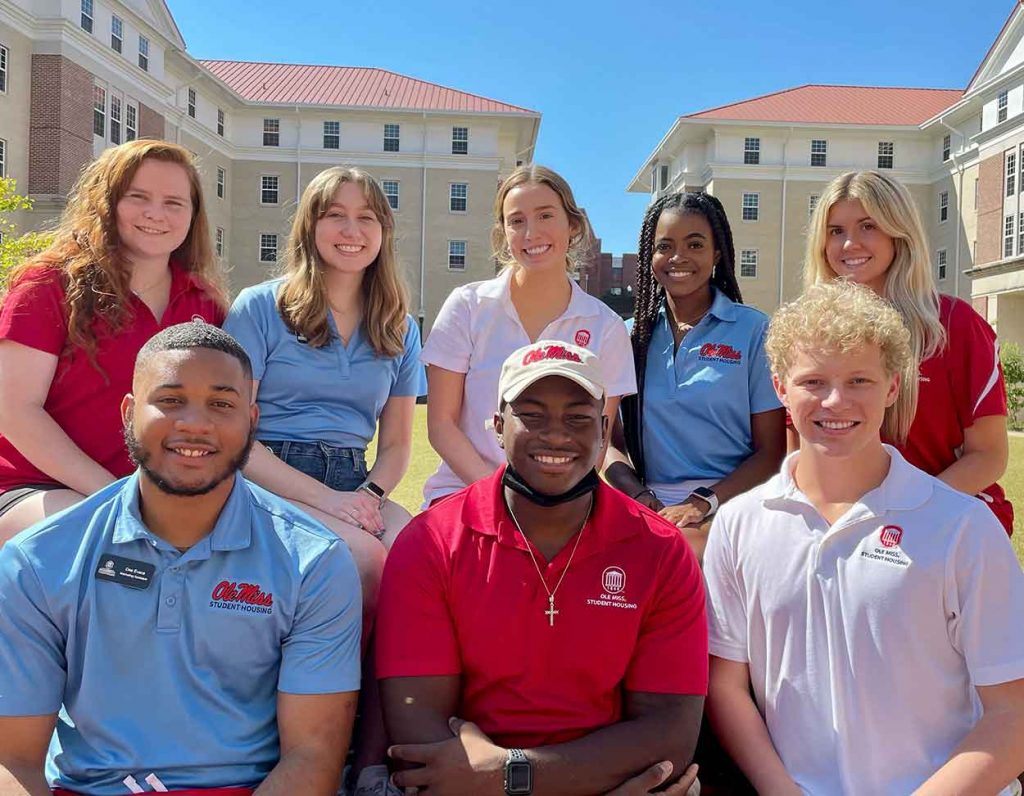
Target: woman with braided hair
column 705, row 424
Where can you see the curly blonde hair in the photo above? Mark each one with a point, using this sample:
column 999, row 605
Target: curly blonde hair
column 841, row 316
column 86, row 246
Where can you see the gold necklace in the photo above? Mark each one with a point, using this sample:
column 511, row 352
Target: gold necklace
column 166, row 275
column 551, row 612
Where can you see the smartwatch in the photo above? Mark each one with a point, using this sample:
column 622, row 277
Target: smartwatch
column 709, row 497
column 518, row 774
column 372, row 489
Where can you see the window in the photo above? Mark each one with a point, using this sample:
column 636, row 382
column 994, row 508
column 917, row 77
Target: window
column 1008, row 236
column 460, row 140
column 220, row 122
column 1001, row 105
column 812, row 203
column 976, row 193
column 87, row 16
column 115, row 119
column 3, row 70
column 748, row 263
column 751, row 206
column 664, row 177
column 1020, row 233
column 391, row 192
column 220, row 183
column 3, row 158
column 940, row 265
column 332, row 135
column 143, row 53
column 219, row 242
column 886, row 153
column 1011, row 172
column 456, row 255
column 271, row 132
column 116, row 34
column 391, row 137
column 751, row 151
column 458, row 196
column 819, row 152
column 943, row 207
column 99, row 111
column 268, row 247
column 192, row 102
column 131, row 124
column 945, row 147
column 268, row 189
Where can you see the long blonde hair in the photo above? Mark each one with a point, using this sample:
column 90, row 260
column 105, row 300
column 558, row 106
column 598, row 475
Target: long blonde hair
column 86, row 246
column 581, row 235
column 302, row 300
column 909, row 284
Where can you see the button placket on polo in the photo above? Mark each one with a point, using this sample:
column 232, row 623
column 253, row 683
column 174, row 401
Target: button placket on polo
column 171, row 600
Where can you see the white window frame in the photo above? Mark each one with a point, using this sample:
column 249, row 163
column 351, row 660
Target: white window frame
column 218, row 241
column 458, row 192
column 99, row 112
column 1020, row 232
column 116, row 33
column 220, row 122
column 265, row 188
column 332, row 140
column 460, row 140
column 947, row 147
column 664, row 175
column 389, row 195
column 190, row 104
column 941, row 265
column 819, row 150
column 392, row 137
column 750, row 206
column 812, row 203
column 1008, row 236
column 264, row 246
column 221, row 183
column 3, row 158
column 886, row 154
column 751, row 151
column 753, row 260
column 453, row 246
column 271, row 131
column 943, row 207
column 131, row 121
column 88, row 14
column 116, row 118
column 1010, row 172
column 1002, row 106
column 143, row 53
column 5, row 56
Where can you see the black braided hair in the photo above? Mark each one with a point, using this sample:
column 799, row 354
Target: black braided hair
column 650, row 295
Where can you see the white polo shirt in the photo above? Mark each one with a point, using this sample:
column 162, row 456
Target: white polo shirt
column 475, row 331
column 865, row 639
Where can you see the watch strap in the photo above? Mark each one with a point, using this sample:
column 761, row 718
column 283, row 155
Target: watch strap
column 518, row 773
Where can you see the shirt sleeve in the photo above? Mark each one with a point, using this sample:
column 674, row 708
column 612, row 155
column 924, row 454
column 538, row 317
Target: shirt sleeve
column 411, row 378
column 33, row 313
column 985, row 600
column 415, row 634
column 246, row 322
column 727, row 613
column 671, row 655
column 33, row 665
column 616, row 356
column 449, row 344
column 321, row 653
column 762, row 392
column 977, row 372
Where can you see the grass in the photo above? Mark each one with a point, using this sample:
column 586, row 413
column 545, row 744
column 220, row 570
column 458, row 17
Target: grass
column 424, row 461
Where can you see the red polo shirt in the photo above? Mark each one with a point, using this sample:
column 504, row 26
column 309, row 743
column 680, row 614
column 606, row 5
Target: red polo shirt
column 84, row 402
column 460, row 596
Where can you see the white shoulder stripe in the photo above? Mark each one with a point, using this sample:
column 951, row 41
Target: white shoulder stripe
column 992, row 380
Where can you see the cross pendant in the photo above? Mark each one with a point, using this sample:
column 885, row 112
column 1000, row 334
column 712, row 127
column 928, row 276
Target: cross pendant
column 550, row 613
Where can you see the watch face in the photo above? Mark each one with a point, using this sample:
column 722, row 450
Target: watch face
column 518, row 779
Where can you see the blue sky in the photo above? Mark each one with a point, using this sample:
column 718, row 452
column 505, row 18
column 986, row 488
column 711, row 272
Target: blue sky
column 610, row 77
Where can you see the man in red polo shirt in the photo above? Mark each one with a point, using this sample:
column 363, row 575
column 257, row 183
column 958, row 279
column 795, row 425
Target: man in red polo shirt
column 559, row 616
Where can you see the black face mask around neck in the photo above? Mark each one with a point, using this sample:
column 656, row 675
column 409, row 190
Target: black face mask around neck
column 515, row 482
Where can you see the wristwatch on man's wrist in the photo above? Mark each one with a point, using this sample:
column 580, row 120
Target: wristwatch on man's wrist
column 518, row 774
column 371, row 488
column 709, row 497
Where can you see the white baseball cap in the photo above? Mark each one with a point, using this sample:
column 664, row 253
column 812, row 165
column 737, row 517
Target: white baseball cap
column 549, row 358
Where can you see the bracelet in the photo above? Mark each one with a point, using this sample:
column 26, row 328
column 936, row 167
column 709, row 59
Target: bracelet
column 645, row 491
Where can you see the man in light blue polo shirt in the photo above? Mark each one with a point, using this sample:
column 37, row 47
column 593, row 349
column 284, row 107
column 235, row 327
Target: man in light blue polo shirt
column 194, row 631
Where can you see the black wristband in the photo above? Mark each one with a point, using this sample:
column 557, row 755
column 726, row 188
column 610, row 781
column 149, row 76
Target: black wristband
column 645, row 491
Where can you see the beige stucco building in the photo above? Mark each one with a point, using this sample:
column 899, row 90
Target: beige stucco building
column 77, row 76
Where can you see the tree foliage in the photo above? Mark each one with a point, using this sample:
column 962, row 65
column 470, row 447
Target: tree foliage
column 1013, row 371
column 15, row 247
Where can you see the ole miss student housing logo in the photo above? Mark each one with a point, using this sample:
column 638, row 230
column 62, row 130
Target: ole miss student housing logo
column 891, row 535
column 583, row 338
column 247, row 597
column 720, row 352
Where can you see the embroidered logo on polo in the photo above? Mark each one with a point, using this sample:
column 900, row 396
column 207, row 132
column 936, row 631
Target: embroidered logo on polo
column 583, row 338
column 888, row 549
column 550, row 352
column 720, row 352
column 247, row 597
column 613, row 586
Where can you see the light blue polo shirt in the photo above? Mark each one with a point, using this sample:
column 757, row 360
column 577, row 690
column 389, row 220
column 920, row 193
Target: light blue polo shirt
column 180, row 678
column 698, row 401
column 332, row 394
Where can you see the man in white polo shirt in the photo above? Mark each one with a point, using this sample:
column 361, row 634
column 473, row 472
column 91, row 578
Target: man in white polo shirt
column 876, row 611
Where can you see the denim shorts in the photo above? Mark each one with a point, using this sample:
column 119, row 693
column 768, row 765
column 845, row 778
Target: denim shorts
column 342, row 469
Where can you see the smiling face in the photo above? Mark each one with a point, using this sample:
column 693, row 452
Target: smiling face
column 155, row 213
column 856, row 247
column 838, row 400
column 537, row 228
column 348, row 236
column 552, row 434
column 684, row 253
column 189, row 423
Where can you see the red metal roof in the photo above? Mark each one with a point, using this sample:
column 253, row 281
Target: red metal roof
column 347, row 85
column 816, row 104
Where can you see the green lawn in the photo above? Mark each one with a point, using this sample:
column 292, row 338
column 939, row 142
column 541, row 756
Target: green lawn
column 424, row 461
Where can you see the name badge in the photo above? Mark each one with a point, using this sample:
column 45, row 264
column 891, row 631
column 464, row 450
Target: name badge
column 126, row 571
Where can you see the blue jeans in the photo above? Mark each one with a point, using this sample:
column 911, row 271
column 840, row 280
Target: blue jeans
column 342, row 469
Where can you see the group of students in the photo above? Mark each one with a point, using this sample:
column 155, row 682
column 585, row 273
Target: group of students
column 183, row 626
